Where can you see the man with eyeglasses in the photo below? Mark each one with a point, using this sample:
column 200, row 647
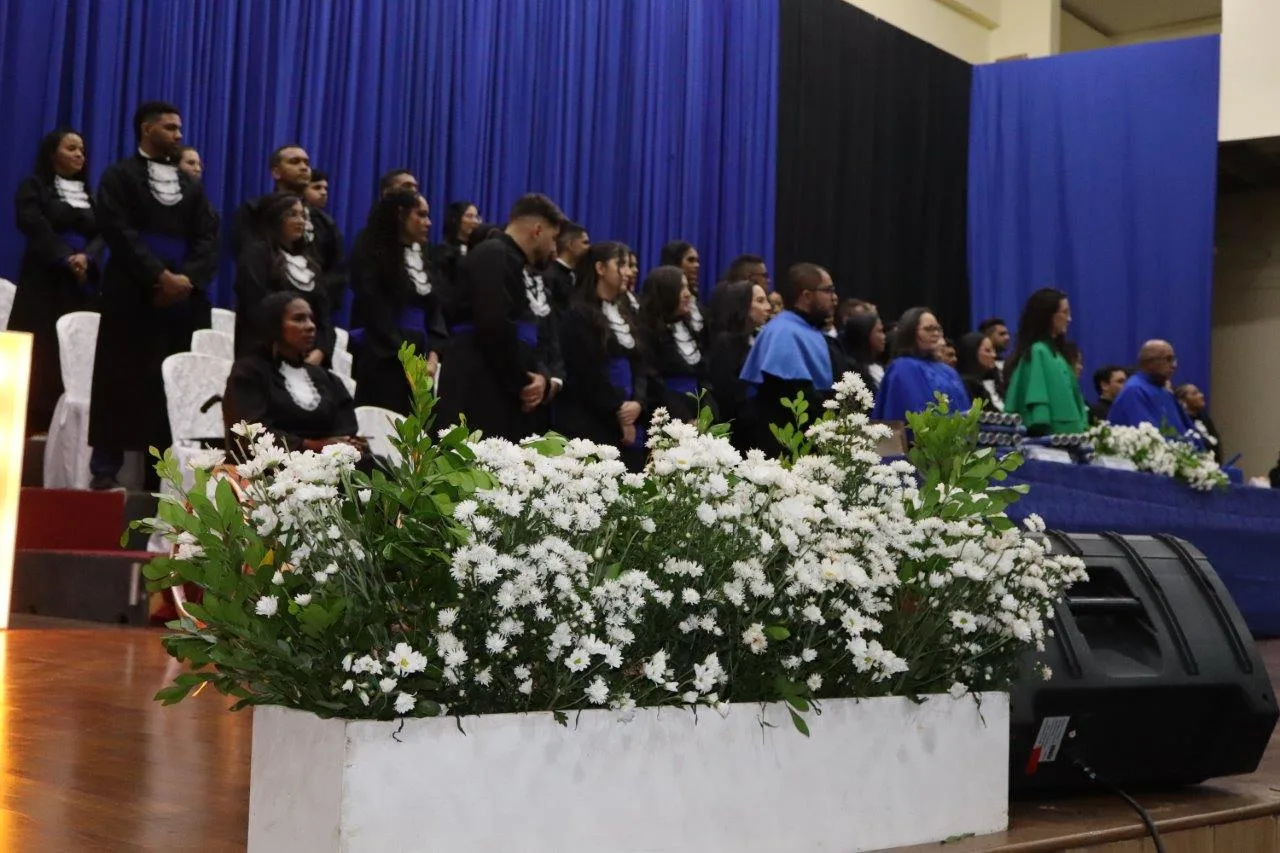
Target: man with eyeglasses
column 791, row 356
column 1146, row 398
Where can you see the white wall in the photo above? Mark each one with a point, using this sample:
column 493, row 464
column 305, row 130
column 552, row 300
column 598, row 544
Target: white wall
column 1246, row 325
column 1250, row 106
column 1028, row 28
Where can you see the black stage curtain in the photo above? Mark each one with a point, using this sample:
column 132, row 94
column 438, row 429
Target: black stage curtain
column 873, row 142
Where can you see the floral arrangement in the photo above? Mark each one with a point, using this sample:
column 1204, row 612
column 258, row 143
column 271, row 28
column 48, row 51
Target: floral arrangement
column 1154, row 451
column 476, row 576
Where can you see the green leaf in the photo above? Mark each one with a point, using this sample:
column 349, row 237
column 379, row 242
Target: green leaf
column 798, row 721
column 777, row 632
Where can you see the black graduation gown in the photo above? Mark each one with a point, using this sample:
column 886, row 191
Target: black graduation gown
column 446, row 257
column 549, row 354
column 260, row 271
column 256, row 393
column 321, row 239
column 588, row 405
column 127, row 406
column 724, row 359
column 558, row 279
column 392, row 312
column 486, row 362
column 677, row 377
column 47, row 289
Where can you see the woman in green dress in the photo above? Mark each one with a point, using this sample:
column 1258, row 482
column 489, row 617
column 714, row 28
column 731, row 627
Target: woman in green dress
column 1042, row 386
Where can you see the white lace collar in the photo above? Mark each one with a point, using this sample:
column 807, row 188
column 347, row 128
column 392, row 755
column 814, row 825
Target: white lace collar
column 633, row 299
column 300, row 385
column 536, row 293
column 686, row 344
column 618, row 325
column 695, row 316
column 299, row 271
column 417, row 271
column 308, row 227
column 72, row 192
column 166, row 188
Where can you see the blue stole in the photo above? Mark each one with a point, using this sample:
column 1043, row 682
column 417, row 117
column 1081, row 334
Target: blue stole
column 77, row 241
column 621, row 378
column 526, row 331
column 791, row 349
column 681, row 384
column 167, row 248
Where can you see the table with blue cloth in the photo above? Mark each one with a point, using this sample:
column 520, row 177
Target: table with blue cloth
column 1237, row 529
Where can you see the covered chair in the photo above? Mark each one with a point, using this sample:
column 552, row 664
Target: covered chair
column 8, row 290
column 214, row 343
column 378, row 425
column 224, row 321
column 67, row 450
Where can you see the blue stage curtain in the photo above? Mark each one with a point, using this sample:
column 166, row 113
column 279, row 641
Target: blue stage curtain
column 1096, row 173
column 647, row 120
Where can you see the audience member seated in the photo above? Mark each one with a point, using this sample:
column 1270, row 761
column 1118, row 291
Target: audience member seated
column 1075, row 357
column 1146, row 397
column 737, row 312
column 915, row 375
column 1042, row 385
column 1107, row 381
column 305, row 406
column 1193, row 401
column 947, row 353
column 862, row 336
column 976, row 363
column 791, row 356
column 671, row 345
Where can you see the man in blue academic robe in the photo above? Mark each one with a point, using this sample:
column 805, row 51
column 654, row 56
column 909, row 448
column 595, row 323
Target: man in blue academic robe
column 1146, row 397
column 791, row 355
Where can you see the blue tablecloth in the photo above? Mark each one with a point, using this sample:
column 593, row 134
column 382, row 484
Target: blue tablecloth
column 1238, row 530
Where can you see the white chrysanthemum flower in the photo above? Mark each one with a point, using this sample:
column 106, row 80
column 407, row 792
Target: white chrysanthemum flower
column 348, row 686
column 386, row 685
column 278, row 578
column 405, row 703
column 814, row 682
column 445, row 618
column 753, row 638
column 598, row 692
column 267, row 606
column 405, row 661
column 526, row 687
column 302, row 599
column 958, row 690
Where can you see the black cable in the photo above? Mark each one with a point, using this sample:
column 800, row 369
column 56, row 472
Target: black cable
column 1092, row 776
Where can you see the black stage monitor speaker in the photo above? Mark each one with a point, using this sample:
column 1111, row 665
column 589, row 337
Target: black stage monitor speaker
column 1156, row 680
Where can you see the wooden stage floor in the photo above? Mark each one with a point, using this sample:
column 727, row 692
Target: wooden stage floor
column 88, row 762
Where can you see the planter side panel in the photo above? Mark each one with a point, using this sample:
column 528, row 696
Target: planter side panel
column 877, row 773
column 295, row 781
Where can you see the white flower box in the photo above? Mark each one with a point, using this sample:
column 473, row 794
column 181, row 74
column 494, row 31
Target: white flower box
column 876, row 773
column 1115, row 463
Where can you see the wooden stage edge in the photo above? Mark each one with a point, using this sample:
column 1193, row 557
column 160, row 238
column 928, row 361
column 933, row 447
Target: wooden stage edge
column 89, row 762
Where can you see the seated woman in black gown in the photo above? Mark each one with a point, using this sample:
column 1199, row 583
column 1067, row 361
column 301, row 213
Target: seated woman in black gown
column 671, row 344
column 397, row 300
column 274, row 259
column 59, row 272
column 305, row 406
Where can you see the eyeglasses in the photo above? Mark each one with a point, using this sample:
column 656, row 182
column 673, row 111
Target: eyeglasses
column 830, row 288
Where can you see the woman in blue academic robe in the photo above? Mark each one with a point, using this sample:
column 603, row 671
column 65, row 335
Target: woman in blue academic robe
column 915, row 375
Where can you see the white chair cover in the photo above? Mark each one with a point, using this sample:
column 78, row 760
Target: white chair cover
column 342, row 363
column 214, row 343
column 342, row 341
column 7, row 291
column 378, row 425
column 224, row 321
column 348, row 381
column 67, row 450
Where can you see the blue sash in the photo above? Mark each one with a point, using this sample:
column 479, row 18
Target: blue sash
column 167, row 248
column 77, row 241
column 526, row 331
column 682, row 384
column 355, row 336
column 621, row 378
column 413, row 319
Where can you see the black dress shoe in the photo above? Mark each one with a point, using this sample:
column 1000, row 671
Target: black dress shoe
column 105, row 484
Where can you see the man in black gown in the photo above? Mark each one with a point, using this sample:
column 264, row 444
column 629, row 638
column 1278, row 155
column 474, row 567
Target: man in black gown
column 558, row 277
column 163, row 237
column 491, row 371
column 291, row 172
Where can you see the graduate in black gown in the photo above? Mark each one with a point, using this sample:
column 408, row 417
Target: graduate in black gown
column 791, row 355
column 737, row 311
column 461, row 218
column 275, row 257
column 163, row 237
column 607, row 378
column 571, row 245
column 398, row 299
column 492, row 372
column 303, row 405
column 679, row 253
column 59, row 272
column 291, row 172
column 671, row 345
column 549, row 354
column 393, row 181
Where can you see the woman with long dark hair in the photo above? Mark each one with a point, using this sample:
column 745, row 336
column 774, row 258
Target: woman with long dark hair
column 461, row 218
column 915, row 375
column 274, row 259
column 976, row 364
column 606, row 382
column 737, row 311
column 679, row 253
column 862, row 337
column 671, row 345
column 1042, row 386
column 305, row 406
column 59, row 272
column 397, row 300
